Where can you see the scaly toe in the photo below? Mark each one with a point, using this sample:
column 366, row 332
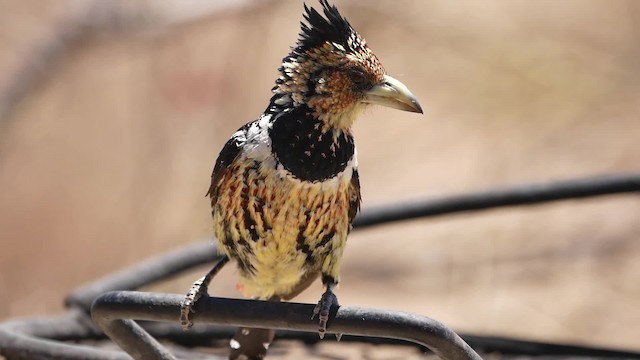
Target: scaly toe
column 323, row 309
column 187, row 306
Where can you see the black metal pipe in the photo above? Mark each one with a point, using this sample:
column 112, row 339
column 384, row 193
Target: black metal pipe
column 110, row 309
column 166, row 265
column 154, row 269
column 518, row 195
column 507, row 346
column 32, row 340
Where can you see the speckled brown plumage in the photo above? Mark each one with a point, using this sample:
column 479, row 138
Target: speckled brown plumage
column 285, row 187
column 280, row 228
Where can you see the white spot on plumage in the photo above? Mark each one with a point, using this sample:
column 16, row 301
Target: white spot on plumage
column 290, row 65
column 284, row 100
column 234, row 344
column 258, row 146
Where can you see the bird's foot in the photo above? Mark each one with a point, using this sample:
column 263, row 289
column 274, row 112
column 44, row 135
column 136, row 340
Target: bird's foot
column 198, row 290
column 323, row 309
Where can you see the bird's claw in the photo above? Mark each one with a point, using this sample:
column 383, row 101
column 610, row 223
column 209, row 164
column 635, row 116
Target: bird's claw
column 323, row 309
column 198, row 289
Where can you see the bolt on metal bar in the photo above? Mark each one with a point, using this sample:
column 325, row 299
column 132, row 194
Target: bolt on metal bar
column 518, row 195
column 114, row 312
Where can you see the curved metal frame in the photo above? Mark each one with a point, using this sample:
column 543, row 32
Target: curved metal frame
column 113, row 312
column 43, row 338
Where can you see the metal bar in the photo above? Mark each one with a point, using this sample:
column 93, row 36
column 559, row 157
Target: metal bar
column 127, row 333
column 202, row 336
column 151, row 270
column 507, row 346
column 32, row 339
column 110, row 309
column 164, row 266
column 517, row 195
column 28, row 340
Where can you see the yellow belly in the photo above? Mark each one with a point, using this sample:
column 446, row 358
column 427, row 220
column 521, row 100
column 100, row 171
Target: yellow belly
column 280, row 229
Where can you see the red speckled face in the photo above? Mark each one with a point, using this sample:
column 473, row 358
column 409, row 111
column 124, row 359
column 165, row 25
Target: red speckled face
column 336, row 92
column 332, row 71
column 341, row 79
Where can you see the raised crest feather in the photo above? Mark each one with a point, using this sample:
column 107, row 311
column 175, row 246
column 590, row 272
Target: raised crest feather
column 318, row 29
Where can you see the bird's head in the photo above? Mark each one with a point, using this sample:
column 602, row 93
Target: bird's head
column 333, row 72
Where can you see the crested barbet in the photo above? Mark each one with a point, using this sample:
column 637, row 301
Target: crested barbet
column 285, row 189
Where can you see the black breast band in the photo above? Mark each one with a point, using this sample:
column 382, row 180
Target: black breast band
column 305, row 150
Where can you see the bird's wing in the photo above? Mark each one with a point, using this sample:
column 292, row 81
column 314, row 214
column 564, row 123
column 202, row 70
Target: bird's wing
column 354, row 195
column 227, row 155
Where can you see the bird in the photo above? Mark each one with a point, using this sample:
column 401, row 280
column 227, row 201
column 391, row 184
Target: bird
column 285, row 187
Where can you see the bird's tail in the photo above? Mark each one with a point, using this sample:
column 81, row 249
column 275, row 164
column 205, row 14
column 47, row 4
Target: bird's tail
column 251, row 343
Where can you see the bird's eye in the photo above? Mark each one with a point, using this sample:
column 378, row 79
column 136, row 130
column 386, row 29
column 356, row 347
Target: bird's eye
column 358, row 77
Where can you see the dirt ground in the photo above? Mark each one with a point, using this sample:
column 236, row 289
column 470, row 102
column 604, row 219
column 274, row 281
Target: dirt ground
column 111, row 117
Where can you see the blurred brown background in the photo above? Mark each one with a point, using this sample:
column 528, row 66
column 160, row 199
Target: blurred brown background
column 112, row 114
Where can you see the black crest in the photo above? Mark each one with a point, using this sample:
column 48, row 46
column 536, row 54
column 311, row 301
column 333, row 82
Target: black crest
column 333, row 28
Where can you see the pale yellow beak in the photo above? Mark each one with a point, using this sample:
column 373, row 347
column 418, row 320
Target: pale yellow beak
column 394, row 94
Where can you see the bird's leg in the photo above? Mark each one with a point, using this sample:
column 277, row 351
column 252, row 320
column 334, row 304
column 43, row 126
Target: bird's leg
column 198, row 289
column 323, row 307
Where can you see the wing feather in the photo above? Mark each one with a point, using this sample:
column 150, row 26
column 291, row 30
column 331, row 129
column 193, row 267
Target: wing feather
column 229, row 153
column 354, row 196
